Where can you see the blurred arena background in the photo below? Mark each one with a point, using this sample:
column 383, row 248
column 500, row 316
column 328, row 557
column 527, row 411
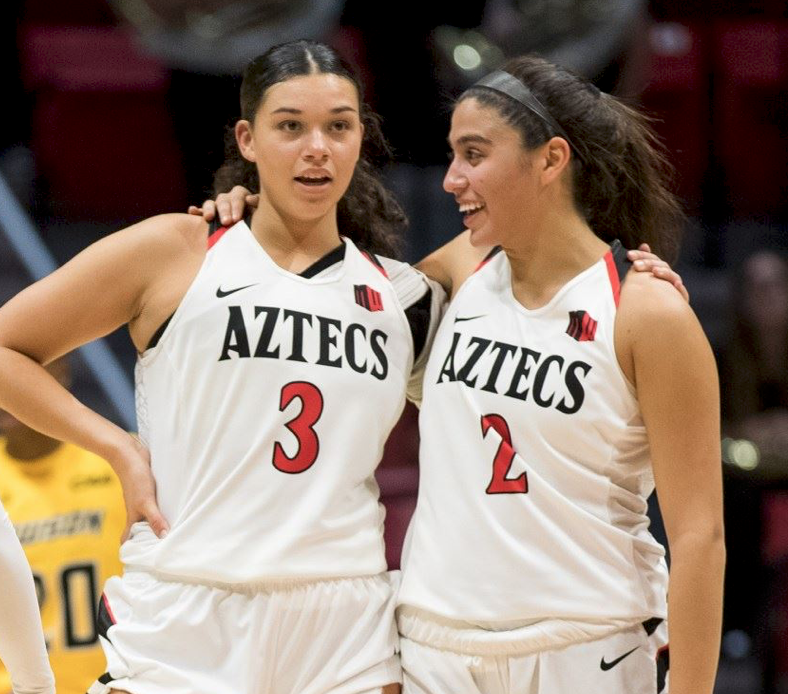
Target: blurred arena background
column 116, row 109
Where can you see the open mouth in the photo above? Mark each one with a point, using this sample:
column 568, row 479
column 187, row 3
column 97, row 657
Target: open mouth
column 313, row 181
column 469, row 209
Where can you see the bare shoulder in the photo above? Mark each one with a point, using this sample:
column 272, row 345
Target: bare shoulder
column 103, row 287
column 166, row 233
column 653, row 320
column 645, row 298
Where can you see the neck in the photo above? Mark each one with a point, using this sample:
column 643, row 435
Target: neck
column 291, row 242
column 545, row 256
column 29, row 445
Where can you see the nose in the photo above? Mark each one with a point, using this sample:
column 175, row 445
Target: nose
column 316, row 147
column 454, row 180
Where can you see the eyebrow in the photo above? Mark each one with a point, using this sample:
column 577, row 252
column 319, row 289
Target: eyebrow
column 296, row 111
column 468, row 139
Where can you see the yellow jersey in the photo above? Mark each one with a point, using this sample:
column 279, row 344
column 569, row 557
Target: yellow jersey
column 68, row 511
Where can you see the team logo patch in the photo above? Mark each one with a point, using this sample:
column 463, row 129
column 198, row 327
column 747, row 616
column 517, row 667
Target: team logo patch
column 581, row 326
column 368, row 297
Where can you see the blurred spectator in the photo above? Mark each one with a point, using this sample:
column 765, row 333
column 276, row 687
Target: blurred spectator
column 67, row 508
column 755, row 365
column 754, row 383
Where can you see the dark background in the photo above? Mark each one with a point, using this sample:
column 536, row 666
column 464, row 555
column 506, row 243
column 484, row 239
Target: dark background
column 107, row 122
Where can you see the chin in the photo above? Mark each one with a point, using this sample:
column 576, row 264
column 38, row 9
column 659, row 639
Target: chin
column 308, row 212
column 483, row 237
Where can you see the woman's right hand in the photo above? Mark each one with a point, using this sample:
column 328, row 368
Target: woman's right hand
column 229, row 207
column 132, row 464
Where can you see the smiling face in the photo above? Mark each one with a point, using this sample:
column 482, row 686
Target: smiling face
column 491, row 174
column 305, row 140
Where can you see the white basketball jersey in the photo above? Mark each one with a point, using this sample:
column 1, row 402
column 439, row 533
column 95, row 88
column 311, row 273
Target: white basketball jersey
column 534, row 462
column 265, row 405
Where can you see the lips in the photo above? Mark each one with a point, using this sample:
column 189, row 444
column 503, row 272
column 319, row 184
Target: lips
column 315, row 178
column 469, row 209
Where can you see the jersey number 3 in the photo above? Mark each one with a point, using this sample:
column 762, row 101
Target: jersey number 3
column 301, row 427
column 504, row 457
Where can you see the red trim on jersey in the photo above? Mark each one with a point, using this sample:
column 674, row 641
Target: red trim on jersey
column 482, row 264
column 213, row 238
column 109, row 609
column 612, row 273
column 487, row 258
column 372, row 259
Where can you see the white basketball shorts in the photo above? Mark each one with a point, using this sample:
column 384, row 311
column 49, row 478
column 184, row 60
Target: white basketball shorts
column 632, row 661
column 326, row 637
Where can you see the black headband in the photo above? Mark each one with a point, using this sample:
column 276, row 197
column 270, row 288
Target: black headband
column 505, row 83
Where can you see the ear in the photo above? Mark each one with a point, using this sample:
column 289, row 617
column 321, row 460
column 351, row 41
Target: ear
column 243, row 136
column 555, row 159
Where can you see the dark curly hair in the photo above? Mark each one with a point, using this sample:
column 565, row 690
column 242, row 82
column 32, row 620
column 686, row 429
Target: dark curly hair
column 368, row 212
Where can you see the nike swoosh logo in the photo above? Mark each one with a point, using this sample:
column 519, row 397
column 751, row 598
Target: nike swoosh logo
column 606, row 666
column 457, row 319
column 221, row 293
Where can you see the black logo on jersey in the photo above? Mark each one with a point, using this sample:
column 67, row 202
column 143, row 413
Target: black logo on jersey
column 87, row 522
column 284, row 330
column 515, row 371
column 458, row 319
column 368, row 297
column 581, row 326
column 606, row 666
column 221, row 293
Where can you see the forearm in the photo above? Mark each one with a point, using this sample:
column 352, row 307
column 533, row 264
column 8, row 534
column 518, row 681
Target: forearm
column 35, row 397
column 22, row 648
column 451, row 264
column 695, row 611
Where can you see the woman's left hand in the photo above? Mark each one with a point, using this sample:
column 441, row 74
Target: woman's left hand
column 645, row 261
column 229, row 208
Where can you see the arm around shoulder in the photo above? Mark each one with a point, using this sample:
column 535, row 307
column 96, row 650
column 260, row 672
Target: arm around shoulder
column 452, row 263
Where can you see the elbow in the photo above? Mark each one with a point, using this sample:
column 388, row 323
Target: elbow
column 706, row 541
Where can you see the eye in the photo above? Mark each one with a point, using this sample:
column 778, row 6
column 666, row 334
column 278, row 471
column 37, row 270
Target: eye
column 290, row 126
column 473, row 156
column 450, row 156
column 340, row 126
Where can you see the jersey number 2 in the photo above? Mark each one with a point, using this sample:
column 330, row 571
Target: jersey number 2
column 301, row 427
column 504, row 457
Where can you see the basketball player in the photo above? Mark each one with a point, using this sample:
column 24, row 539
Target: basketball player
column 274, row 358
column 558, row 390
column 67, row 507
column 542, row 578
column 22, row 647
